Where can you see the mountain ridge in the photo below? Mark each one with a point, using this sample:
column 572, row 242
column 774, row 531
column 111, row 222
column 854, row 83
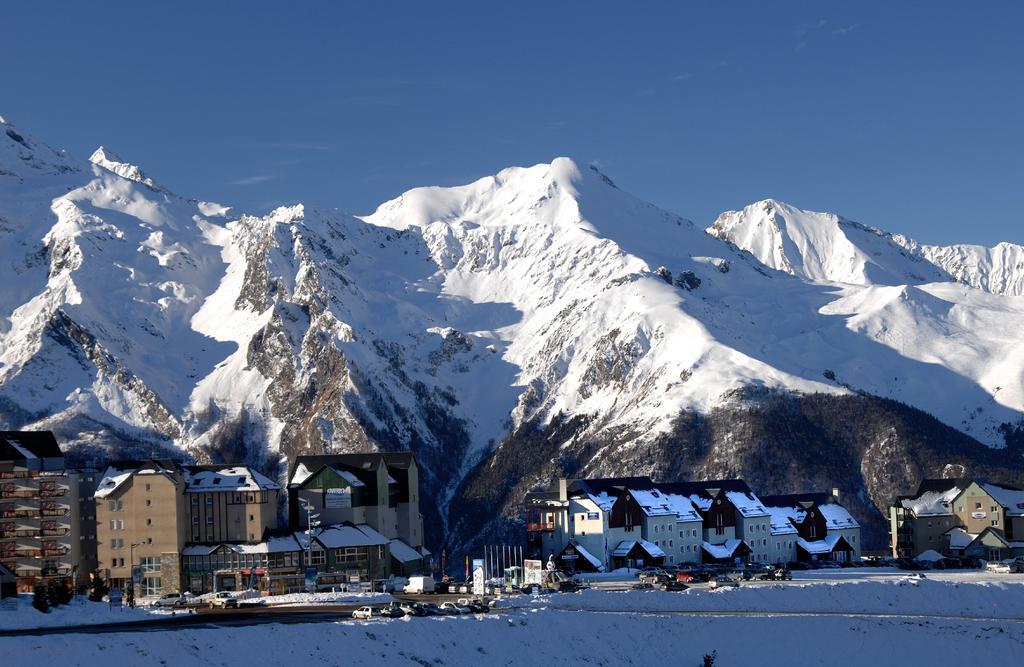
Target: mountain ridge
column 451, row 319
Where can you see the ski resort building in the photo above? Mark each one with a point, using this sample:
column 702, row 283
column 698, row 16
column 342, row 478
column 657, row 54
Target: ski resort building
column 376, row 493
column 604, row 524
column 812, row 526
column 960, row 518
column 149, row 512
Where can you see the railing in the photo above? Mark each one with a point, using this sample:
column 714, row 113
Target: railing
column 8, row 534
column 537, row 526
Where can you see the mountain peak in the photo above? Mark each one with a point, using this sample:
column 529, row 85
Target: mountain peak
column 104, row 157
column 22, row 156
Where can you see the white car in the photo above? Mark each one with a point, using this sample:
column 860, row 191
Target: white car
column 723, row 582
column 999, row 567
column 365, row 613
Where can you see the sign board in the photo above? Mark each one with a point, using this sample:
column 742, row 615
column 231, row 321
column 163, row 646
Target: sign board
column 115, row 597
column 136, row 574
column 338, row 498
column 569, row 557
column 978, row 515
column 593, row 516
column 478, row 578
column 533, row 572
column 311, row 579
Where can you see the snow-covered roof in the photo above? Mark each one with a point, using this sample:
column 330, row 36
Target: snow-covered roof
column 603, row 500
column 824, row 546
column 746, row 504
column 235, row 478
column 929, row 556
column 724, row 550
column 656, row 503
column 301, row 474
column 782, row 519
column 403, row 552
column 960, row 538
column 837, row 517
column 700, row 501
column 1011, row 499
column 344, row 535
column 593, row 560
column 626, row 546
column 112, row 480
column 280, row 544
column 932, row 503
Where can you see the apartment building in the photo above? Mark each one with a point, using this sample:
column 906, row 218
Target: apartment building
column 959, row 518
column 148, row 512
column 812, row 526
column 45, row 524
column 633, row 521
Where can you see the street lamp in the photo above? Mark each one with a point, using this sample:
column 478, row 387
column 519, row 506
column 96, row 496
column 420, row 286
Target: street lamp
column 310, row 524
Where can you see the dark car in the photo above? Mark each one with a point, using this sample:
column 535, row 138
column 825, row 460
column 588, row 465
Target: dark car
column 393, row 610
column 431, row 609
column 797, row 565
column 673, row 585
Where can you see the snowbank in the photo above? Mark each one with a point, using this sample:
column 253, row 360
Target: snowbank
column 80, row 611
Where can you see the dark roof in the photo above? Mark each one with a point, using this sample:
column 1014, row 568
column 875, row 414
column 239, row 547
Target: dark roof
column 941, row 485
column 704, row 487
column 794, row 499
column 362, row 465
column 611, row 485
column 41, row 444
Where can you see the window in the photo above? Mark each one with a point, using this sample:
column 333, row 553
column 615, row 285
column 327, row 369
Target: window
column 317, row 556
column 252, row 517
column 195, row 499
column 977, row 506
column 209, row 520
column 209, row 501
column 149, row 522
column 148, row 502
column 151, row 586
column 995, row 509
column 150, row 564
column 147, row 487
column 995, row 522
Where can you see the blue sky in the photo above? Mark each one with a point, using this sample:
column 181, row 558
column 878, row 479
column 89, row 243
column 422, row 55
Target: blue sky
column 906, row 116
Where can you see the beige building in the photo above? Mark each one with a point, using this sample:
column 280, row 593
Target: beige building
column 147, row 512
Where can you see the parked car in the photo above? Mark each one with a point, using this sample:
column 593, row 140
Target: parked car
column 684, row 577
column 174, row 600
column 673, row 585
column 392, row 611
column 455, row 607
column 431, row 609
column 412, row 609
column 365, row 613
column 999, row 567
column 474, row 605
column 223, row 600
column 797, row 565
column 723, row 581
column 654, row 577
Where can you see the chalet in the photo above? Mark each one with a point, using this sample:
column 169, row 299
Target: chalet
column 812, row 526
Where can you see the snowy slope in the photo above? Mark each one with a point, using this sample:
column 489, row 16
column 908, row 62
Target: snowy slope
column 450, row 316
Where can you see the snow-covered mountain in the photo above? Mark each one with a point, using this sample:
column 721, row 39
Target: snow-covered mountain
column 451, row 319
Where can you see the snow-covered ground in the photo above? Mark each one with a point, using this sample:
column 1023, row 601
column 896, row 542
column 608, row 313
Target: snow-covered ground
column 307, row 599
column 890, row 623
column 20, row 614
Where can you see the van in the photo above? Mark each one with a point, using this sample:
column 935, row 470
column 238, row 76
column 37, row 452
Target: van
column 420, row 585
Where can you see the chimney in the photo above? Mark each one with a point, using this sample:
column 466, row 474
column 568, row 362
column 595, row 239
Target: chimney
column 563, row 493
column 835, row 493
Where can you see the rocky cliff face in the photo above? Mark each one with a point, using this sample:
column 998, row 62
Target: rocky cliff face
column 533, row 323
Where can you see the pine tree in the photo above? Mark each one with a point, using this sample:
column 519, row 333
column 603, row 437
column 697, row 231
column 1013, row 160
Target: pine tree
column 40, row 598
column 98, row 588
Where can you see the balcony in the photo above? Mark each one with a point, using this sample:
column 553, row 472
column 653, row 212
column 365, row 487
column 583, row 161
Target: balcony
column 540, row 527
